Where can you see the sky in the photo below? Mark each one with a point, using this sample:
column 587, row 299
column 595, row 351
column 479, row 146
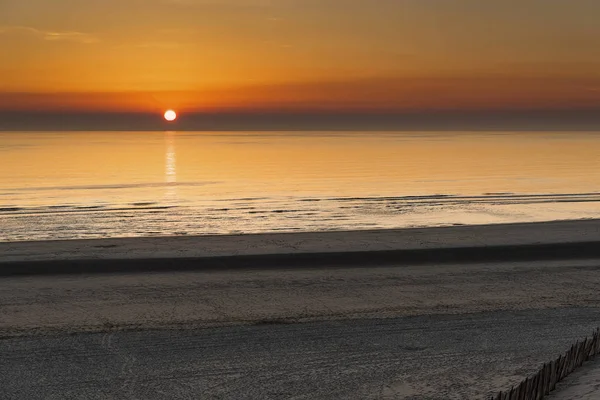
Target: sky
column 299, row 56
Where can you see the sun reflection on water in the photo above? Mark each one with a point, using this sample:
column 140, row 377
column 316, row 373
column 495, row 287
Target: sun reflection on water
column 170, row 167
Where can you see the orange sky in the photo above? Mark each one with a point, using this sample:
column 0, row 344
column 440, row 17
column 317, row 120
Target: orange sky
column 256, row 55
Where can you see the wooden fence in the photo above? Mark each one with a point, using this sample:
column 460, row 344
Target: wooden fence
column 542, row 383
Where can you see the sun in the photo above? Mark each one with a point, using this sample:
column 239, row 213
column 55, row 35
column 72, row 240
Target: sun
column 170, row 115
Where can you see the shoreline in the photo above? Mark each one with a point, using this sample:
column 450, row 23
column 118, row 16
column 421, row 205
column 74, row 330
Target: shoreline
column 558, row 240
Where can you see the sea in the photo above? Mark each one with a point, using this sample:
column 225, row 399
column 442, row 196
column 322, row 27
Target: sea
column 80, row 185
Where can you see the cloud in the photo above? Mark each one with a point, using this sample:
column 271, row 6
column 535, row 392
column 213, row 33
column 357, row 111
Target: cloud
column 52, row 36
column 160, row 45
column 220, row 3
column 177, row 31
column 152, row 45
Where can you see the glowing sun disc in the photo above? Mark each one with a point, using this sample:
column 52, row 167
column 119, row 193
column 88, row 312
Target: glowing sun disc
column 170, row 115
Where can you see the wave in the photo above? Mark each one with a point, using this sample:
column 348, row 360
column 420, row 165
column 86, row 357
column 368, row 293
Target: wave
column 75, row 209
column 292, row 205
column 10, row 209
column 446, row 199
column 114, row 186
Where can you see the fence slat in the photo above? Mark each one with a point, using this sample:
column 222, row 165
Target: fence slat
column 545, row 380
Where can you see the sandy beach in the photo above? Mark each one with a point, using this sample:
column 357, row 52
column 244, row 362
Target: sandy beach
column 533, row 283
column 583, row 384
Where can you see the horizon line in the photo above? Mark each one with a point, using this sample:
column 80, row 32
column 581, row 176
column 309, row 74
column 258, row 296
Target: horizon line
column 442, row 120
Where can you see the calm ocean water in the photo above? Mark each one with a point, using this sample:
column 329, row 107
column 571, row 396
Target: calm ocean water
column 115, row 184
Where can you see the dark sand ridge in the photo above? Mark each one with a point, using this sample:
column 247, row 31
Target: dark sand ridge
column 509, row 242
